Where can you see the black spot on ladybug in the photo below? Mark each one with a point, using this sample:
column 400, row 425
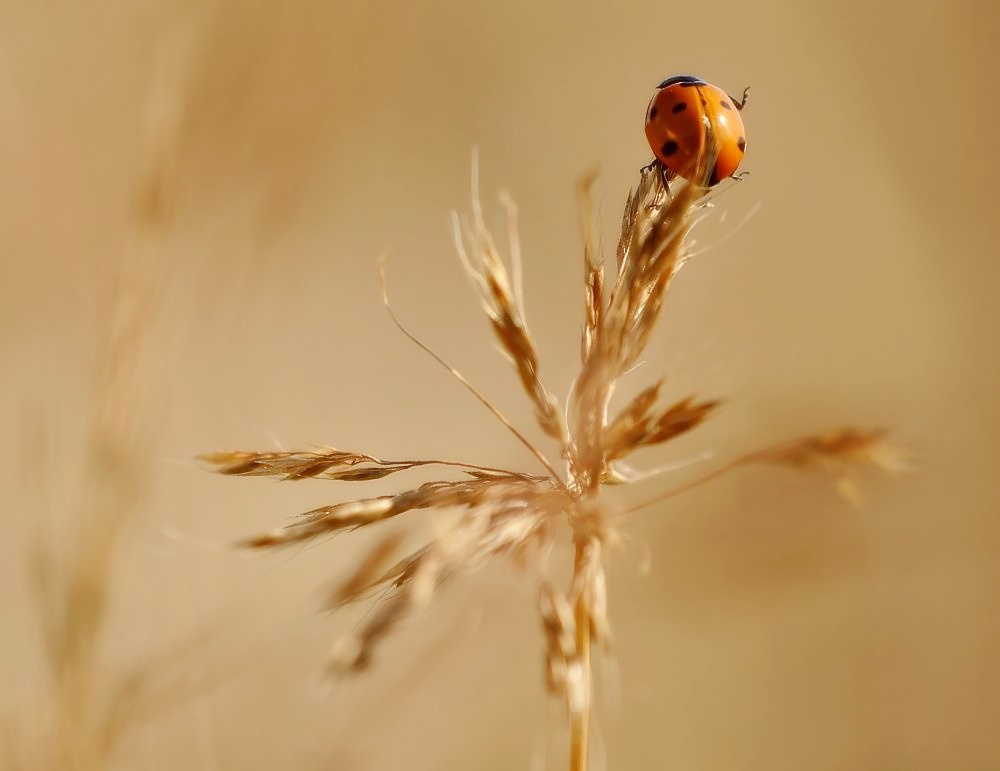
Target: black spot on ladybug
column 652, row 112
column 679, row 107
column 668, row 149
column 725, row 105
column 741, row 143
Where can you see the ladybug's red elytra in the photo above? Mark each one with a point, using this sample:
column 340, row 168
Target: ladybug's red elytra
column 688, row 117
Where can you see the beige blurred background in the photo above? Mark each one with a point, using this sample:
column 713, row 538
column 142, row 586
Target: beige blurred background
column 852, row 278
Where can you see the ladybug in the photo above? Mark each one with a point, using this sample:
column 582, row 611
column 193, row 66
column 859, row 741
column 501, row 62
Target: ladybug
column 688, row 117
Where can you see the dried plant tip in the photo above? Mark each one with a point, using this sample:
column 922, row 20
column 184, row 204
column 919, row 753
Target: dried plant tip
column 355, row 652
column 654, row 227
column 678, row 419
column 368, row 574
column 328, row 519
column 354, row 514
column 593, row 269
column 840, row 453
column 841, row 447
column 519, row 346
column 331, row 463
column 635, row 427
column 502, row 306
column 496, row 527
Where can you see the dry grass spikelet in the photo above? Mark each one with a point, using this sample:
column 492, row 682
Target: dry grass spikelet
column 507, row 513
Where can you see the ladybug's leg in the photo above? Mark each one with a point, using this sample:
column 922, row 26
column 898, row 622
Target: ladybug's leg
column 665, row 177
column 663, row 171
column 739, row 177
column 741, row 103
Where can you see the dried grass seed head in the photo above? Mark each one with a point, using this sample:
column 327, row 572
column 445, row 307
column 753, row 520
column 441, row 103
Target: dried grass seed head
column 506, row 513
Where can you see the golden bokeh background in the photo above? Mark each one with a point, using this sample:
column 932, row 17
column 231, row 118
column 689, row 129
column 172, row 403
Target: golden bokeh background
column 850, row 279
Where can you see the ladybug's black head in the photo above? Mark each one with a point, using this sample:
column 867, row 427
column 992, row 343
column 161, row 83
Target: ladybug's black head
column 689, row 79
